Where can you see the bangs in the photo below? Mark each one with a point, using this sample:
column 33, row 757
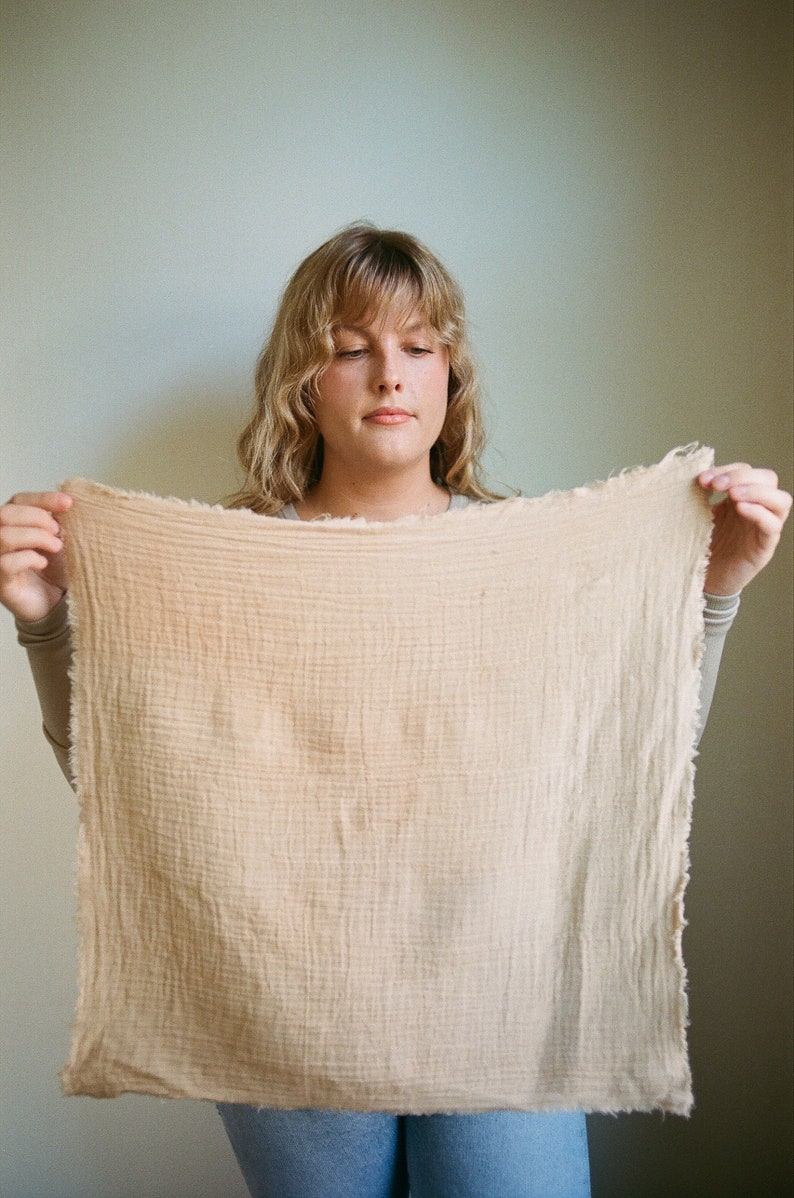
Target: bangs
column 382, row 280
column 370, row 301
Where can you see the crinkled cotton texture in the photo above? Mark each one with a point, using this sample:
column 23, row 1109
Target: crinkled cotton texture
column 387, row 816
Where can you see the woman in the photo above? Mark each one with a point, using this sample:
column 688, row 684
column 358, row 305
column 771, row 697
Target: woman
column 367, row 405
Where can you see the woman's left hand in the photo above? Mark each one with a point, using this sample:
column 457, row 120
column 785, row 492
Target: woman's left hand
column 747, row 524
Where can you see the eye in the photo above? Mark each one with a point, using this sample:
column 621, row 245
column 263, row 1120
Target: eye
column 418, row 351
column 350, row 353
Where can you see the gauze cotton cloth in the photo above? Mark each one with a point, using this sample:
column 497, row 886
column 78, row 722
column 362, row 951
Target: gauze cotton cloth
column 387, row 816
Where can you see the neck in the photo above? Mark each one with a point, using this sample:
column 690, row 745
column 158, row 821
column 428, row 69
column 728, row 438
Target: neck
column 382, row 497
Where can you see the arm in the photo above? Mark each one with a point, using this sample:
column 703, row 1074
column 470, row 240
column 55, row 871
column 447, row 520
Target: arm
column 718, row 616
column 49, row 650
column 32, row 587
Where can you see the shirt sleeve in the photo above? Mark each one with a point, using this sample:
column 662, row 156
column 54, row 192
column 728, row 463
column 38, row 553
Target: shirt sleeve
column 49, row 648
column 719, row 613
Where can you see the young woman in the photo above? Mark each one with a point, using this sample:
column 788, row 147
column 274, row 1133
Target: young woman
column 367, row 405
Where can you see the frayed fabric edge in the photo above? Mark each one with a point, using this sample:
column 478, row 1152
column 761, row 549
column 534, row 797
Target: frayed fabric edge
column 82, row 891
column 693, row 685
column 692, row 454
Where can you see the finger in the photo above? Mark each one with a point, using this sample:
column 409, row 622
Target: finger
column 708, row 476
column 26, row 536
column 722, row 478
column 767, row 524
column 51, row 501
column 774, row 500
column 19, row 562
column 33, row 515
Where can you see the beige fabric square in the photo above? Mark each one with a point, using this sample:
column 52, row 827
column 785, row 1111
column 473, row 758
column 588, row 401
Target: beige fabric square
column 388, row 816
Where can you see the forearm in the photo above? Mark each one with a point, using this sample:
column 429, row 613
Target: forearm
column 719, row 613
column 49, row 648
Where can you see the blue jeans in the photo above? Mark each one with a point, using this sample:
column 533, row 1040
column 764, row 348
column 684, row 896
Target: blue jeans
column 330, row 1154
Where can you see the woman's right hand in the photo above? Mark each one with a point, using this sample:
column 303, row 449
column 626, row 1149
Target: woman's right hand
column 32, row 573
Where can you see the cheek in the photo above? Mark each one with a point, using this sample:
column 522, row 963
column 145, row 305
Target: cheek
column 442, row 384
column 442, row 366
column 332, row 396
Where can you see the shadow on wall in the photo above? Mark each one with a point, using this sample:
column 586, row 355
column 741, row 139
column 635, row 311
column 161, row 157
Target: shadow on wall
column 182, row 445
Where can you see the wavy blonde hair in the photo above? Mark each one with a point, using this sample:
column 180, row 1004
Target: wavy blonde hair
column 361, row 271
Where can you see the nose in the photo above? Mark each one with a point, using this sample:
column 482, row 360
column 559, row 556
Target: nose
column 388, row 376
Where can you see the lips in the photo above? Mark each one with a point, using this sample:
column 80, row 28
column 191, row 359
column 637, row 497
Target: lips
column 388, row 416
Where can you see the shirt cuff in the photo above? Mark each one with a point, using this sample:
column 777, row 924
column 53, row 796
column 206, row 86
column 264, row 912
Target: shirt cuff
column 51, row 626
column 720, row 610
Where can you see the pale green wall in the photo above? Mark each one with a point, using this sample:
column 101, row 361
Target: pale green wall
column 611, row 183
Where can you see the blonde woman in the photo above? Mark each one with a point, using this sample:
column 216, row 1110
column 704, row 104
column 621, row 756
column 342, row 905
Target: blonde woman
column 367, row 405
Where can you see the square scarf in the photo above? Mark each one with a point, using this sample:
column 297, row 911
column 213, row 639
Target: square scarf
column 387, row 816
